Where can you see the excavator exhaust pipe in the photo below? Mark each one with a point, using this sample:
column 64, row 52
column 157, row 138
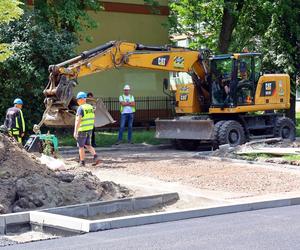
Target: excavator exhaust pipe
column 188, row 129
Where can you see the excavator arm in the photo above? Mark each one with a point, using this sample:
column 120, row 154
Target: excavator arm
column 59, row 99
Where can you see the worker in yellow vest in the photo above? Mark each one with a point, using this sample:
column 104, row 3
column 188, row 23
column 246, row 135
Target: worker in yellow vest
column 14, row 120
column 127, row 109
column 84, row 124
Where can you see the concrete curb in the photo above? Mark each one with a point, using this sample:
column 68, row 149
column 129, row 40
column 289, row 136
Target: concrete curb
column 58, row 221
column 138, row 220
column 66, row 218
column 106, row 207
column 50, row 219
column 135, row 147
column 7, row 220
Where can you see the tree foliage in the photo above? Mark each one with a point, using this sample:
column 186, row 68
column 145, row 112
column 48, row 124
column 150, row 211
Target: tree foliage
column 68, row 15
column 271, row 27
column 47, row 34
column 9, row 11
column 25, row 73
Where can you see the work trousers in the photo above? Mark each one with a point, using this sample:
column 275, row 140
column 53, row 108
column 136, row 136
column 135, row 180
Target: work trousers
column 129, row 119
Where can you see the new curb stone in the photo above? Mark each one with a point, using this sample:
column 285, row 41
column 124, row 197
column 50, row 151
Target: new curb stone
column 49, row 218
column 66, row 217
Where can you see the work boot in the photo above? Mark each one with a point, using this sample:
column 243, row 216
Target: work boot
column 96, row 161
column 130, row 142
column 81, row 164
column 118, row 143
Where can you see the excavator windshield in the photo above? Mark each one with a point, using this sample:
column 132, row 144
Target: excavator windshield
column 221, row 73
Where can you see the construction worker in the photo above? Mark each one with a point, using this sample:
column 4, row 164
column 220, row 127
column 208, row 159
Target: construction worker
column 84, row 124
column 127, row 109
column 93, row 139
column 14, row 121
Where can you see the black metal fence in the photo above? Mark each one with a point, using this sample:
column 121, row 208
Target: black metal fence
column 147, row 109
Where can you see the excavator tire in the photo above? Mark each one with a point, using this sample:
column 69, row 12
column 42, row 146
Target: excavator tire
column 285, row 128
column 217, row 127
column 231, row 132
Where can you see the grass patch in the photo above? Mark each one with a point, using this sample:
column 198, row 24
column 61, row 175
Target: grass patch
column 107, row 139
column 297, row 124
column 255, row 156
column 291, row 157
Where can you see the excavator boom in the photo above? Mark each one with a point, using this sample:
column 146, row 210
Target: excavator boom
column 59, row 99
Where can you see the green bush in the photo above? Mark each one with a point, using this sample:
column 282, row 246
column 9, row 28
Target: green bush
column 25, row 73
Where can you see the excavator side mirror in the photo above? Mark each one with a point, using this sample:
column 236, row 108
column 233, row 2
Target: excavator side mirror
column 166, row 83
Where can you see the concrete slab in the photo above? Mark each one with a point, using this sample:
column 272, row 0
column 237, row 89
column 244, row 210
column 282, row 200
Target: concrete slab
column 59, row 221
column 112, row 207
column 107, row 207
column 295, row 201
column 2, row 225
column 16, row 218
column 141, row 203
column 74, row 210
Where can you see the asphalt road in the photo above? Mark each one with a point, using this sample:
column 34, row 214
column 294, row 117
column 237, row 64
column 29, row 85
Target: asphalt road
column 277, row 228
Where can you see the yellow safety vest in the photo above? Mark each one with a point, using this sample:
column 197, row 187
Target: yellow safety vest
column 131, row 100
column 88, row 119
column 16, row 130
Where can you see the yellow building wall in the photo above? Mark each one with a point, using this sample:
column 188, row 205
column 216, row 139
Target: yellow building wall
column 139, row 28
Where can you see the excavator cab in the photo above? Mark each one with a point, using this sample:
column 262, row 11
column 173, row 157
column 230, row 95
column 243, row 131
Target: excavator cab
column 233, row 79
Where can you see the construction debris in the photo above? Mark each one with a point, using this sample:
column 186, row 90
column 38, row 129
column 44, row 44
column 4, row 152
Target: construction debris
column 273, row 150
column 26, row 184
column 269, row 151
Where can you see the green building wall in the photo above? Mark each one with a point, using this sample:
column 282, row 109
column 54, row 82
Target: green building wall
column 139, row 28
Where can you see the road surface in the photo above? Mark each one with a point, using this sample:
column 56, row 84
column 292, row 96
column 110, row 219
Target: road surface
column 277, row 228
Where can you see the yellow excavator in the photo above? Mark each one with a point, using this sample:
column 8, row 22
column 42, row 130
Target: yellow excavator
column 228, row 100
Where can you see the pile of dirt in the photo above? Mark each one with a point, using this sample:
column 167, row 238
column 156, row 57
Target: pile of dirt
column 25, row 184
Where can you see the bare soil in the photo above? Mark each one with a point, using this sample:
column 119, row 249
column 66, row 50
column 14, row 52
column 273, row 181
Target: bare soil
column 25, row 184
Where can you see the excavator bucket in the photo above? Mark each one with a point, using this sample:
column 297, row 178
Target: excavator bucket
column 185, row 129
column 102, row 116
column 61, row 105
column 56, row 116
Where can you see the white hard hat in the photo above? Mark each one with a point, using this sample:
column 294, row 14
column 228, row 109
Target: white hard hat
column 126, row 87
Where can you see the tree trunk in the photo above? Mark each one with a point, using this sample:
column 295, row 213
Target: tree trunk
column 229, row 22
column 291, row 113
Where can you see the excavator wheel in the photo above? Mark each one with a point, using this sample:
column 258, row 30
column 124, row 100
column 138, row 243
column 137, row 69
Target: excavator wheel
column 231, row 132
column 285, row 128
column 217, row 127
column 182, row 144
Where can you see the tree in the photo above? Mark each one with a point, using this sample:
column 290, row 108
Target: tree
column 25, row 73
column 271, row 27
column 281, row 42
column 208, row 23
column 70, row 15
column 9, row 11
column 47, row 34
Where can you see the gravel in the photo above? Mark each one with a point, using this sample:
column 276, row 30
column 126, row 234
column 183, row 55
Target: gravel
column 5, row 242
column 182, row 167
